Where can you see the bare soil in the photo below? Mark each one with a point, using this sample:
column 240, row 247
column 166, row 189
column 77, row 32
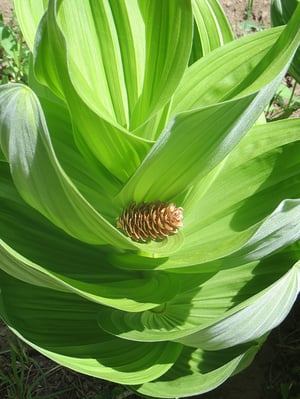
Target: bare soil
column 236, row 11
column 5, row 9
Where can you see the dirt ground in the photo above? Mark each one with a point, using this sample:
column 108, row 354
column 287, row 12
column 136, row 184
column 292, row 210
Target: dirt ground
column 234, row 9
column 271, row 373
column 236, row 13
column 5, row 9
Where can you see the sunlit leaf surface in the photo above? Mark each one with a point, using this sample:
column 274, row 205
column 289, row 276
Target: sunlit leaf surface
column 148, row 101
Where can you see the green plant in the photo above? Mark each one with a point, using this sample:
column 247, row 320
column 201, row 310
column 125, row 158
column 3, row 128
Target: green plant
column 284, row 103
column 20, row 375
column 281, row 12
column 14, row 53
column 250, row 26
column 115, row 115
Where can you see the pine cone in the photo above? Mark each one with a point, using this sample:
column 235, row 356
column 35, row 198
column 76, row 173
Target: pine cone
column 150, row 221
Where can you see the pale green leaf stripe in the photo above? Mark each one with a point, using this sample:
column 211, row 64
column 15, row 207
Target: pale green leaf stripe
column 196, row 372
column 55, row 260
column 280, row 229
column 63, row 327
column 213, row 27
column 117, row 150
column 99, row 73
column 227, row 65
column 264, row 55
column 26, row 144
column 218, row 224
column 29, row 14
column 168, row 38
column 225, row 208
column 87, row 175
column 135, row 69
column 192, row 144
column 253, row 318
column 203, row 299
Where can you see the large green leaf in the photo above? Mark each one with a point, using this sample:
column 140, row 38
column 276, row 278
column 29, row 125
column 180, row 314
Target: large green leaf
column 56, row 260
column 29, row 14
column 265, row 311
column 119, row 151
column 225, row 209
column 135, row 68
column 63, row 327
column 211, row 24
column 122, row 117
column 209, row 300
column 281, row 12
column 238, row 68
column 27, row 146
column 191, row 145
column 197, row 371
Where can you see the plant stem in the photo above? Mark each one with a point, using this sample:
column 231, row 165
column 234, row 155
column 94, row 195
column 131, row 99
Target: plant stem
column 249, row 9
column 292, row 94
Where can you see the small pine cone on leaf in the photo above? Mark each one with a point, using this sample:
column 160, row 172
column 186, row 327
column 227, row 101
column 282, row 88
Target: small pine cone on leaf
column 150, row 221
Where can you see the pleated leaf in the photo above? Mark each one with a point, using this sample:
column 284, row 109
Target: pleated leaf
column 281, row 12
column 64, row 328
column 55, row 260
column 167, row 152
column 205, row 299
column 133, row 68
column 110, row 144
column 197, row 371
column 29, row 14
column 240, row 67
column 26, row 144
column 211, row 24
column 263, row 312
column 148, row 101
column 226, row 208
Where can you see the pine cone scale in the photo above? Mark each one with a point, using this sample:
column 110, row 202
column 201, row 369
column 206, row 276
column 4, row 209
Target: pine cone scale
column 150, row 221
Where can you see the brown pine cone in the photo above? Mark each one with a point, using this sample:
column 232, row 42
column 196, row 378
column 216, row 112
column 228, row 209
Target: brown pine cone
column 150, row 221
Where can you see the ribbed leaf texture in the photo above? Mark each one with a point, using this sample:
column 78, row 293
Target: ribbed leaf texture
column 137, row 113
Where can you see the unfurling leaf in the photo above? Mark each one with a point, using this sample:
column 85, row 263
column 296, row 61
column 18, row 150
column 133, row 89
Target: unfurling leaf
column 138, row 112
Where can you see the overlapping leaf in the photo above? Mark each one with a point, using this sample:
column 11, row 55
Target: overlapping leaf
column 216, row 225
column 64, row 328
column 26, row 144
column 209, row 301
column 125, row 119
column 197, row 371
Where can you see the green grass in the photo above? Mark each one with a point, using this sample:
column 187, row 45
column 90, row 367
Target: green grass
column 250, row 26
column 14, row 53
column 25, row 374
column 285, row 103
